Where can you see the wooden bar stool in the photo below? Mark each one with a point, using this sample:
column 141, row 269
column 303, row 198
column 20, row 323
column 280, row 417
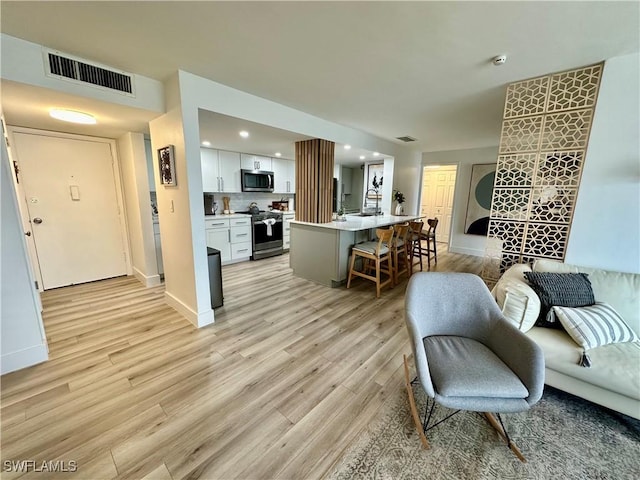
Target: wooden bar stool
column 400, row 250
column 415, row 228
column 430, row 236
column 376, row 252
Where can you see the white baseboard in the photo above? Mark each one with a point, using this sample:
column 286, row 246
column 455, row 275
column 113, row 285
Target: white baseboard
column 198, row 319
column 24, row 358
column 467, row 251
column 147, row 280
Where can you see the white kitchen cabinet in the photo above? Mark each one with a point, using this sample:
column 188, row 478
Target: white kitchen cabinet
column 255, row 162
column 229, row 163
column 210, row 165
column 284, row 172
column 232, row 236
column 217, row 236
column 286, row 229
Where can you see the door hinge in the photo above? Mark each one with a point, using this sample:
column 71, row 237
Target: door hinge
column 37, row 287
column 16, row 169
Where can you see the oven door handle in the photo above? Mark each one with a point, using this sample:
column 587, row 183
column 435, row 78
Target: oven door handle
column 270, row 181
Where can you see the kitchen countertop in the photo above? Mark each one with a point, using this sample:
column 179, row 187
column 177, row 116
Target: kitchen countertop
column 356, row 223
column 223, row 216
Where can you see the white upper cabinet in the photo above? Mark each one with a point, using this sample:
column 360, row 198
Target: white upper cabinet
column 210, row 166
column 229, row 171
column 220, row 171
column 255, row 162
column 284, row 173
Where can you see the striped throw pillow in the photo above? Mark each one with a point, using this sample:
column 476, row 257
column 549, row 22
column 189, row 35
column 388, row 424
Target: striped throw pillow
column 595, row 325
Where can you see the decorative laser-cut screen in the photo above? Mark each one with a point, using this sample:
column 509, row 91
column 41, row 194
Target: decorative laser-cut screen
column 545, row 131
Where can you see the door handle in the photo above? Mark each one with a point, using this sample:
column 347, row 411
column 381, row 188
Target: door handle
column 37, row 220
column 28, row 234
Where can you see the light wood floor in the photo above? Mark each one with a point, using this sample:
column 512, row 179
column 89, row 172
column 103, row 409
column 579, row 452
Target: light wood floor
column 277, row 388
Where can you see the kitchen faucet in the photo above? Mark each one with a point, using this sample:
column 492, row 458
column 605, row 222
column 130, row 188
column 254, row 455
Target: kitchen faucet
column 376, row 192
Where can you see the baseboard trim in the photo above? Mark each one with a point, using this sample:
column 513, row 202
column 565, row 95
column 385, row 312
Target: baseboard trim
column 148, row 281
column 199, row 320
column 24, row 358
column 467, row 251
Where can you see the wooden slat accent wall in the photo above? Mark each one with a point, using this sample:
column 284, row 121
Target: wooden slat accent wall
column 314, row 180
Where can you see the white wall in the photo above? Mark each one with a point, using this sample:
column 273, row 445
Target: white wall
column 135, row 182
column 459, row 241
column 606, row 225
column 21, row 330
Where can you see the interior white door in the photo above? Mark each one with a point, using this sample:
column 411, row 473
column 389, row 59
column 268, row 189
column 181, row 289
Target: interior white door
column 71, row 196
column 437, row 197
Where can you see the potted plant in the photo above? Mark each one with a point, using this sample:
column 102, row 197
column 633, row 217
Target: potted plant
column 341, row 216
column 398, row 196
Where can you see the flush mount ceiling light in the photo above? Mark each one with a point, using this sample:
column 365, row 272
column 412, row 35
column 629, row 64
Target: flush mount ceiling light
column 206, row 143
column 72, row 116
column 362, row 157
column 376, row 154
column 278, row 154
column 244, row 133
column 347, row 147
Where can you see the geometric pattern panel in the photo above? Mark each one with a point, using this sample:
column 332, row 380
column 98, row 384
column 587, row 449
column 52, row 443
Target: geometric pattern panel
column 545, row 130
column 526, row 98
column 561, row 169
column 574, row 89
column 546, row 240
column 566, row 130
column 521, row 134
column 552, row 204
column 510, row 234
column 515, row 170
column 510, row 203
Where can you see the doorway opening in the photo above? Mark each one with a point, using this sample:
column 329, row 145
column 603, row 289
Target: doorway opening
column 436, row 198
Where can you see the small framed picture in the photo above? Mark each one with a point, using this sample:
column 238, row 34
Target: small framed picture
column 167, row 165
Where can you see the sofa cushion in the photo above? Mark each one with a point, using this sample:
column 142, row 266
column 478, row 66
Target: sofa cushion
column 595, row 325
column 618, row 289
column 519, row 303
column 562, row 289
column 614, row 367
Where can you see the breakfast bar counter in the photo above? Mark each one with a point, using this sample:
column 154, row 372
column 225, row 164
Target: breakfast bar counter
column 320, row 251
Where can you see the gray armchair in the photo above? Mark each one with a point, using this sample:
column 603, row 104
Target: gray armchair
column 467, row 356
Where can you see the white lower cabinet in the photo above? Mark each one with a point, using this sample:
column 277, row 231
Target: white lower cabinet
column 286, row 229
column 232, row 236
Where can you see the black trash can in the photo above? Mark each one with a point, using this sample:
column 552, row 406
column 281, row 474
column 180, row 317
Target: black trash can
column 215, row 277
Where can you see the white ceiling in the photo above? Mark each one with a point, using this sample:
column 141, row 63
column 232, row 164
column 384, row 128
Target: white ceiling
column 388, row 68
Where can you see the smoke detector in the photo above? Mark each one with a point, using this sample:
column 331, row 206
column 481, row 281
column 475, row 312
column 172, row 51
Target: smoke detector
column 499, row 60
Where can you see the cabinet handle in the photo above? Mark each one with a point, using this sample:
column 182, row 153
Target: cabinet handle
column 241, row 234
column 243, row 250
column 218, row 183
column 229, row 235
column 222, row 180
column 214, row 224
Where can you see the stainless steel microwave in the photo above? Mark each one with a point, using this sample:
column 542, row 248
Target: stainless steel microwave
column 256, row 181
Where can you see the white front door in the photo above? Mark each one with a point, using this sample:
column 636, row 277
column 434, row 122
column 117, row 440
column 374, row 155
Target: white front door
column 71, row 197
column 438, row 187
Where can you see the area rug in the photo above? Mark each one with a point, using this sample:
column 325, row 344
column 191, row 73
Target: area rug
column 562, row 437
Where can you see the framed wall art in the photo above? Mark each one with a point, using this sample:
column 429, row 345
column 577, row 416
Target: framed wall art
column 167, row 166
column 375, row 173
column 480, row 194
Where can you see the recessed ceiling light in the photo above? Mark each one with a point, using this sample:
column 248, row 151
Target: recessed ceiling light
column 375, row 154
column 362, row 157
column 206, row 144
column 347, row 147
column 244, row 134
column 72, row 116
column 278, row 154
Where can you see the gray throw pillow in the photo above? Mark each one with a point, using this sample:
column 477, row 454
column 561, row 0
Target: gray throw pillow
column 559, row 289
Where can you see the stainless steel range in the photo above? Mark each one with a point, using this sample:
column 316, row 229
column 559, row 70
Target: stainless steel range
column 267, row 234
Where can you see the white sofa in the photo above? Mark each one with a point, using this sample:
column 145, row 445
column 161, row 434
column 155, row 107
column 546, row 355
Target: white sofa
column 614, row 377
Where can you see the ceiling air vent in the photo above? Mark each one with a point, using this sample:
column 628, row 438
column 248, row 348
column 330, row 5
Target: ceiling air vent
column 406, row 138
column 70, row 68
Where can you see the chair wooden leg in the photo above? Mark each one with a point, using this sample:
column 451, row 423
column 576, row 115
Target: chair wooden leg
column 412, row 405
column 435, row 252
column 378, row 278
column 514, row 448
column 353, row 262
